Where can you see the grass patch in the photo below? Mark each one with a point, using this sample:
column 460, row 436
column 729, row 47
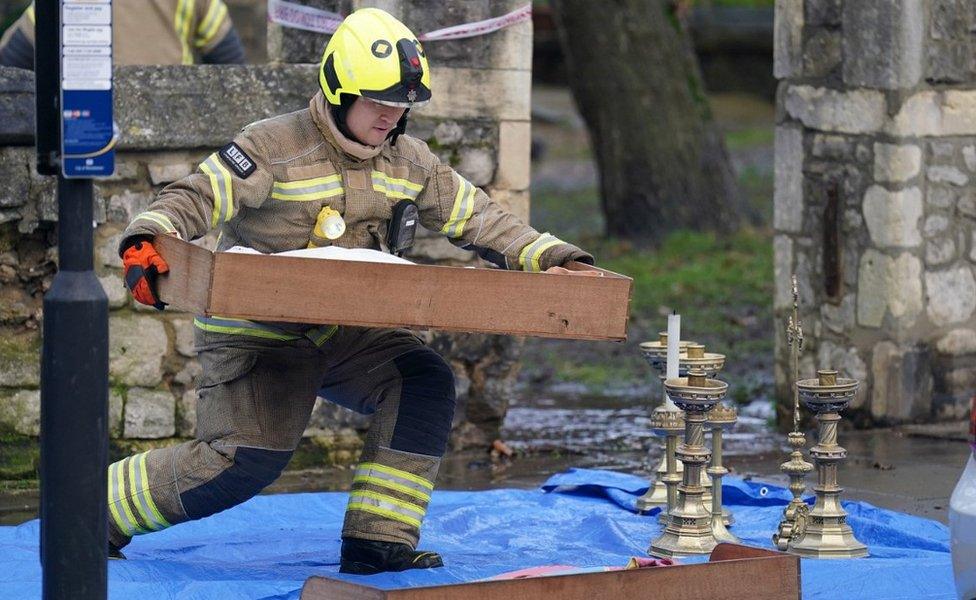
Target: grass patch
column 752, row 137
column 571, row 216
column 596, row 376
column 721, row 286
column 716, row 283
column 709, row 280
column 757, row 187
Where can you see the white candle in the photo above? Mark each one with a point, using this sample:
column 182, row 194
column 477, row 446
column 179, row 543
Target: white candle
column 674, row 336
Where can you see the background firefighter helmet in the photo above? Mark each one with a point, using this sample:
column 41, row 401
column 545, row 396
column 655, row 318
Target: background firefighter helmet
column 374, row 55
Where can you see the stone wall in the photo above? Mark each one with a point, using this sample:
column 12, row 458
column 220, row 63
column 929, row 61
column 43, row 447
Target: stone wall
column 875, row 202
column 173, row 117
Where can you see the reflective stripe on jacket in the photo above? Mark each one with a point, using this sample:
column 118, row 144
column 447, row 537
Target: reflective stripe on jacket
column 317, row 334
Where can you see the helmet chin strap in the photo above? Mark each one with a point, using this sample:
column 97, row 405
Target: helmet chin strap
column 400, row 129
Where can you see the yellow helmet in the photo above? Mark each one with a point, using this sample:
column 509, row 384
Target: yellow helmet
column 374, row 55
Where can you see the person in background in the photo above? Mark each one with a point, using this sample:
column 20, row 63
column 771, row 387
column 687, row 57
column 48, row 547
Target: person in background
column 147, row 32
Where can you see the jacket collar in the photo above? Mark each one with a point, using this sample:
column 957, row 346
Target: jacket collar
column 322, row 116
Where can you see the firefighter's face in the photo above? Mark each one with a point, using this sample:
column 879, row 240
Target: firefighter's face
column 371, row 122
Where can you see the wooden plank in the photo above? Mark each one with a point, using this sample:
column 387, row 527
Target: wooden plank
column 307, row 290
column 316, row 588
column 187, row 285
column 775, row 576
column 725, row 551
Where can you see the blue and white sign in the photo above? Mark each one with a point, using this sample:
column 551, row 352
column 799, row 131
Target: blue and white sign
column 87, row 131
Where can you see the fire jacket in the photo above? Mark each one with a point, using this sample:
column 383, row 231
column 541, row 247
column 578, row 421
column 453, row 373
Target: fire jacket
column 272, row 185
column 147, row 32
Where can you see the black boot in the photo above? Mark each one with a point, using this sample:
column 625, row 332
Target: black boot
column 366, row 557
column 114, row 552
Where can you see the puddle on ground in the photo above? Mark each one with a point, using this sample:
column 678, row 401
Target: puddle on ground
column 562, row 428
column 614, row 430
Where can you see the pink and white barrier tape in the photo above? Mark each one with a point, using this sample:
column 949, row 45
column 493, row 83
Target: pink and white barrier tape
column 297, row 16
column 290, row 14
column 467, row 30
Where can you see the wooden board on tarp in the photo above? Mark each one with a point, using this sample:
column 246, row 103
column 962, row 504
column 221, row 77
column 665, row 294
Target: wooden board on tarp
column 733, row 572
column 310, row 290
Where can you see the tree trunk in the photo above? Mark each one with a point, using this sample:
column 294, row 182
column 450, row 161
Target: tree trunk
column 663, row 164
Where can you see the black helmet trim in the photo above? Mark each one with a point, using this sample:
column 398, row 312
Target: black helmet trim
column 400, row 95
column 411, row 70
column 328, row 69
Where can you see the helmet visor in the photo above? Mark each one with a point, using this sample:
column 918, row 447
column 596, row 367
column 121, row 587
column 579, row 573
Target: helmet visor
column 400, row 95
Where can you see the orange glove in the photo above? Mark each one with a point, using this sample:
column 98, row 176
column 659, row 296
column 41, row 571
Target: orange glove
column 142, row 265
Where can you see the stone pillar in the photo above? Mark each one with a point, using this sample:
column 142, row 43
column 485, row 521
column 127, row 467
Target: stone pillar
column 875, row 198
column 478, row 122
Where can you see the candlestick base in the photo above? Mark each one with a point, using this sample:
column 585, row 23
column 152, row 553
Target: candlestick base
column 793, row 522
column 792, row 525
column 826, row 533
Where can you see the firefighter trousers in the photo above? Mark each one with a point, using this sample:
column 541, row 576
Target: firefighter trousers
column 255, row 397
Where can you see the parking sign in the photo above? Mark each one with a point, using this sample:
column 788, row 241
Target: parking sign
column 87, row 130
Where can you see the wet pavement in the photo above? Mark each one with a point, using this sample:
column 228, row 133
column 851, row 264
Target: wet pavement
column 892, row 468
column 886, row 467
column 895, row 469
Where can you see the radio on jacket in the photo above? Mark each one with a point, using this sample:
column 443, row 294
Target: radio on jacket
column 403, row 227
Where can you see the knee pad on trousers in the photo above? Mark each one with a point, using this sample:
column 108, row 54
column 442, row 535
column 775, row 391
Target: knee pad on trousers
column 423, row 421
column 251, row 470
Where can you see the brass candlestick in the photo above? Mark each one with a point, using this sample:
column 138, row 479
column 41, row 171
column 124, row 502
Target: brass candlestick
column 711, row 363
column 689, row 528
column 663, row 425
column 827, row 534
column 795, row 513
column 720, row 418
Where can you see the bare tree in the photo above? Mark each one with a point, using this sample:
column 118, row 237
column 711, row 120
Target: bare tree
column 663, row 164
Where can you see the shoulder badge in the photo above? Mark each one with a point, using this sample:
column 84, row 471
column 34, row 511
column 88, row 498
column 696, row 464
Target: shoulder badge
column 238, row 160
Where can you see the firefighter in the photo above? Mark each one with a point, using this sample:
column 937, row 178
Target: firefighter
column 331, row 174
column 147, row 32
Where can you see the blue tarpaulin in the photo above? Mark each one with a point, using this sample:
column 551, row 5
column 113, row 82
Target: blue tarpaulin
column 268, row 546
